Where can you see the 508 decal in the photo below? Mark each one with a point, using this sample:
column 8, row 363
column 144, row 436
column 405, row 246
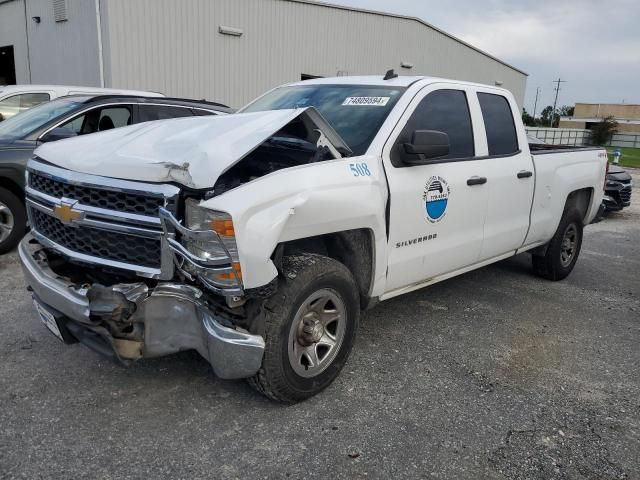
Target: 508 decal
column 359, row 169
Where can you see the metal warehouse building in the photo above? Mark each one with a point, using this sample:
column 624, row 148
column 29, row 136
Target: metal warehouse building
column 225, row 50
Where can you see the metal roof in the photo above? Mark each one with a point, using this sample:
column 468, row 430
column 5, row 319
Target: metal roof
column 407, row 17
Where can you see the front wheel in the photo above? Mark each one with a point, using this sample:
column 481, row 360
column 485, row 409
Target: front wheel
column 563, row 250
column 13, row 220
column 310, row 327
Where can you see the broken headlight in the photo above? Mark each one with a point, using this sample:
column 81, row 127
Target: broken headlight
column 201, row 219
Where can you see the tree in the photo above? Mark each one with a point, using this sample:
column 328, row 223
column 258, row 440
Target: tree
column 602, row 131
column 567, row 111
column 527, row 119
column 545, row 116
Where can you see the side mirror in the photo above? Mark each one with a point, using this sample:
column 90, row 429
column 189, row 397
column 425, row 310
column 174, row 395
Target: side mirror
column 425, row 145
column 59, row 133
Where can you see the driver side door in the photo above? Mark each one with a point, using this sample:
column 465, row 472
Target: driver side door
column 437, row 206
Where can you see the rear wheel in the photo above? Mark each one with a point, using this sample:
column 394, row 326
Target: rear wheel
column 310, row 326
column 563, row 250
column 13, row 220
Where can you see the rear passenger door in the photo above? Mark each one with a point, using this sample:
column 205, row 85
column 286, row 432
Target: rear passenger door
column 437, row 209
column 510, row 175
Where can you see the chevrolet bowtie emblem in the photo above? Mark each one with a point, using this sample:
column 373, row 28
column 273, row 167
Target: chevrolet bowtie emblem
column 65, row 212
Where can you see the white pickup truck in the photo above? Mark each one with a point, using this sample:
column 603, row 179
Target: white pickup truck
column 258, row 238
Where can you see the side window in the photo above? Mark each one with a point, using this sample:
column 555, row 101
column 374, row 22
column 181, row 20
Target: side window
column 99, row 119
column 203, row 113
column 9, row 107
column 445, row 111
column 114, row 117
column 160, row 112
column 29, row 100
column 498, row 122
column 75, row 125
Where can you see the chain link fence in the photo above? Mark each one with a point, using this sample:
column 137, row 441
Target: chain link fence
column 581, row 137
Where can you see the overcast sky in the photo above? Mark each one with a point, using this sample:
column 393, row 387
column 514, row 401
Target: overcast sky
column 593, row 44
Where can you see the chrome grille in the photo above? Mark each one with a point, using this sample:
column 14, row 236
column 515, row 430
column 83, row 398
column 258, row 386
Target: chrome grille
column 100, row 220
column 100, row 198
column 114, row 246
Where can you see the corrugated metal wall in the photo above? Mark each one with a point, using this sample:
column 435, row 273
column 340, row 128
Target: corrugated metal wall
column 174, row 46
column 13, row 32
column 63, row 52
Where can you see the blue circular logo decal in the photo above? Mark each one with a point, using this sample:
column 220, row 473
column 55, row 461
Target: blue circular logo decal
column 435, row 198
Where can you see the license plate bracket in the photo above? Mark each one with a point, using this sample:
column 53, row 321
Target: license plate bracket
column 48, row 319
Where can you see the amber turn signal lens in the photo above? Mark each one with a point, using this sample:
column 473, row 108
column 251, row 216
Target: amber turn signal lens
column 223, row 227
column 230, row 275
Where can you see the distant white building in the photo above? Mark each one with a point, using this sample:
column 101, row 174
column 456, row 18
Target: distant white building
column 226, row 50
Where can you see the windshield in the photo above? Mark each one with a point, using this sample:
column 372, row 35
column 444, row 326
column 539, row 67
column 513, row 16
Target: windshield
column 30, row 120
column 356, row 112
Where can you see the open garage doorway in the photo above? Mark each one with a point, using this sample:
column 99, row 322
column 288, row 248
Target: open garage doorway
column 7, row 66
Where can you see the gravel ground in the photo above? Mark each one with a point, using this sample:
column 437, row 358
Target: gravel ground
column 495, row 374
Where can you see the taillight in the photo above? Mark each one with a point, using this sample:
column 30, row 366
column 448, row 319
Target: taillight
column 606, row 171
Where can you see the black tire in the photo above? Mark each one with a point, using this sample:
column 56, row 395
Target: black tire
column 551, row 265
column 303, row 276
column 19, row 216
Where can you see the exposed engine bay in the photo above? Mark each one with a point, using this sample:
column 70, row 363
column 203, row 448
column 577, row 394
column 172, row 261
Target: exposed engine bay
column 300, row 142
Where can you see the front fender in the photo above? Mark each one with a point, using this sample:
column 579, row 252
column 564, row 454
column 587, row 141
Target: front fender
column 13, row 162
column 304, row 202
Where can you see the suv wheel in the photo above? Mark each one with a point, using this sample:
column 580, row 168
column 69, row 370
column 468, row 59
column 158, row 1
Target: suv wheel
column 13, row 220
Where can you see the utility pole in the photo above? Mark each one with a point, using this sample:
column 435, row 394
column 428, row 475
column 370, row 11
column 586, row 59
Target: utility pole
column 535, row 104
column 555, row 102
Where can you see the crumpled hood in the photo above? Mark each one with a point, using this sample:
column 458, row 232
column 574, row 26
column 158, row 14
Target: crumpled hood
column 191, row 151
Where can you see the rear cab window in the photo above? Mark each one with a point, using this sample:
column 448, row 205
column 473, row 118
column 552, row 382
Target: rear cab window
column 502, row 138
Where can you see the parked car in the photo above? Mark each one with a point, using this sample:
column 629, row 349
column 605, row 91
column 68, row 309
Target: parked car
column 17, row 98
column 67, row 117
column 617, row 190
column 257, row 238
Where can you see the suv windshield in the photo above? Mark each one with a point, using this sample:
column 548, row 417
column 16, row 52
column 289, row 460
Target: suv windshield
column 356, row 112
column 30, row 120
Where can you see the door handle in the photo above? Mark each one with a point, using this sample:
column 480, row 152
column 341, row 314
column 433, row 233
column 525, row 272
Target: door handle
column 477, row 181
column 524, row 174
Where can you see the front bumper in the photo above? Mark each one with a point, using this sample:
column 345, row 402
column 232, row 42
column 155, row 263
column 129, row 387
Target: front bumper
column 617, row 196
column 173, row 315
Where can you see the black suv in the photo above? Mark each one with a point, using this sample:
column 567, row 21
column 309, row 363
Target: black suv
column 67, row 117
column 617, row 191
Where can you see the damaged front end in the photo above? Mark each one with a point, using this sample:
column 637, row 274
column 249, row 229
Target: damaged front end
column 131, row 321
column 137, row 269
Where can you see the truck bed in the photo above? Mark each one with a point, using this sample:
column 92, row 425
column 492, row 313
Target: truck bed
column 542, row 149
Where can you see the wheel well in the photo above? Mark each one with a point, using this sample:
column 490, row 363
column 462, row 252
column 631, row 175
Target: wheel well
column 13, row 187
column 580, row 200
column 352, row 248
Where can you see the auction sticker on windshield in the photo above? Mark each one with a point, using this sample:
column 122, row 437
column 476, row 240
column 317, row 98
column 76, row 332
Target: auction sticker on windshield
column 366, row 101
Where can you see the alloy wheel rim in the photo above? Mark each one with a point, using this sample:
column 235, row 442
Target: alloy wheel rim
column 6, row 222
column 568, row 245
column 316, row 333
